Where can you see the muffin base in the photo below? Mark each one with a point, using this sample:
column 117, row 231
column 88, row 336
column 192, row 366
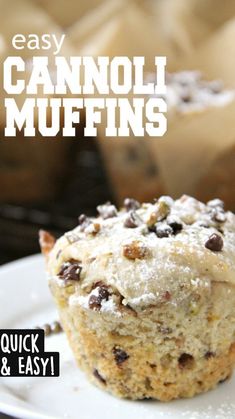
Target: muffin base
column 139, row 376
column 150, row 380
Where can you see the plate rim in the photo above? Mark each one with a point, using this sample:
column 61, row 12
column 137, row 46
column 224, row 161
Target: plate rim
column 6, row 407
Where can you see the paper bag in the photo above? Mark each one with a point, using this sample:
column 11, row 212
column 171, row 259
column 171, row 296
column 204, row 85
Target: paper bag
column 216, row 58
column 191, row 145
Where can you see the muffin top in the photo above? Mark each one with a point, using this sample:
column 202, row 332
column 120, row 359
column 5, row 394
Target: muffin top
column 155, row 253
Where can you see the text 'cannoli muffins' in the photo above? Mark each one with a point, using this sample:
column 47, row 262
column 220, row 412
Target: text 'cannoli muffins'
column 146, row 296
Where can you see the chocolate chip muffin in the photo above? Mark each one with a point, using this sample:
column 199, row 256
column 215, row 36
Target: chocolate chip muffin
column 146, row 296
column 200, row 132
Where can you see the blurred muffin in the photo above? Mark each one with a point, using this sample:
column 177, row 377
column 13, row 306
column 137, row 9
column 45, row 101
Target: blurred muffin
column 200, row 117
column 141, row 294
column 112, row 29
column 200, row 130
column 219, row 180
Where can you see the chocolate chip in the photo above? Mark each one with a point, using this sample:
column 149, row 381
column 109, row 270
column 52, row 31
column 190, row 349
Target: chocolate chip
column 153, row 366
column 70, row 271
column 214, row 243
column 107, row 210
column 131, row 204
column 95, row 301
column 120, row 356
column 152, row 229
column 186, row 98
column 186, row 361
column 103, row 293
column 98, row 376
column 163, row 230
column 99, row 284
column 132, row 220
column 175, row 224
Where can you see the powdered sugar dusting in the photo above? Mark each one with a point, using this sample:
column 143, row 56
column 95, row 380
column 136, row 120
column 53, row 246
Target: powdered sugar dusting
column 108, row 306
column 176, row 261
column 143, row 300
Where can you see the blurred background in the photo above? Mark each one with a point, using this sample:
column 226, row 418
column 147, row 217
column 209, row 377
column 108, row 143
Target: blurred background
column 48, row 183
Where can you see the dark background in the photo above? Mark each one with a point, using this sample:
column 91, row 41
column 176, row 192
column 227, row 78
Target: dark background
column 80, row 191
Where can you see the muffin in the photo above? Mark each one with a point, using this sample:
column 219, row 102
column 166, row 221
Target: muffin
column 200, row 118
column 200, row 130
column 146, row 296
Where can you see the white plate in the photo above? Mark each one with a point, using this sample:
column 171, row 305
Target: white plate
column 25, row 302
